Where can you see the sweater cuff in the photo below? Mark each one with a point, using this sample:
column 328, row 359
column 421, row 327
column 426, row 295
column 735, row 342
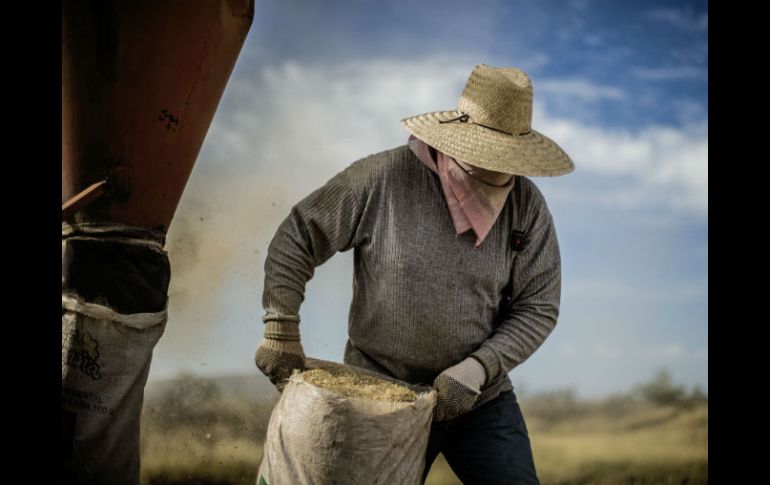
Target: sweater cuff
column 490, row 362
column 271, row 316
column 282, row 346
column 275, row 330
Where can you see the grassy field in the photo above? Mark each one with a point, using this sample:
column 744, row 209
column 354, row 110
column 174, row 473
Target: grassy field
column 194, row 433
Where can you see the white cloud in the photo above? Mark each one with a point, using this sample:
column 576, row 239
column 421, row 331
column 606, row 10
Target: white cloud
column 580, row 88
column 662, row 165
column 322, row 118
column 318, row 119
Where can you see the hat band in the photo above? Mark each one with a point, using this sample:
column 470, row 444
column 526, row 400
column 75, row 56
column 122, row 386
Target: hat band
column 464, row 118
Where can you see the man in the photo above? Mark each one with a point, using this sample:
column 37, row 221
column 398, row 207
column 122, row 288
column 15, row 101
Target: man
column 427, row 291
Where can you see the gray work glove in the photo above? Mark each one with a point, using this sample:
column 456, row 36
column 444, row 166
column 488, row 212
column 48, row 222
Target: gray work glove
column 280, row 352
column 458, row 388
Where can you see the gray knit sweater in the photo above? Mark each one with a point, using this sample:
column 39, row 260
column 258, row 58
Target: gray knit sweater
column 424, row 299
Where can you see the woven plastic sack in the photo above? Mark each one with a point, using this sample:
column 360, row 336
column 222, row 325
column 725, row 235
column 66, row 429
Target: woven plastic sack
column 114, row 294
column 318, row 436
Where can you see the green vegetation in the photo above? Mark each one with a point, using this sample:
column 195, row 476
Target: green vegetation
column 194, row 433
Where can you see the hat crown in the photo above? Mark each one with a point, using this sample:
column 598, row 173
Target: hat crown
column 498, row 97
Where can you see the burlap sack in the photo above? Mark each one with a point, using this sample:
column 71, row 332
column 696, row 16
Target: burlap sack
column 320, row 437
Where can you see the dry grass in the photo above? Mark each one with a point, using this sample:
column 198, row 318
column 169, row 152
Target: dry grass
column 650, row 444
column 187, row 456
column 195, row 435
column 352, row 384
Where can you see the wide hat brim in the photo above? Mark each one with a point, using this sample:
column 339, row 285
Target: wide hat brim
column 532, row 154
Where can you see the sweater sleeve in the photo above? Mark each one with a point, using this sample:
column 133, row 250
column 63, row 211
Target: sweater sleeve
column 317, row 227
column 536, row 294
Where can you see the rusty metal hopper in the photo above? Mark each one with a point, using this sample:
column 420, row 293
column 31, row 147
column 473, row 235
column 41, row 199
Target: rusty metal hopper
column 141, row 81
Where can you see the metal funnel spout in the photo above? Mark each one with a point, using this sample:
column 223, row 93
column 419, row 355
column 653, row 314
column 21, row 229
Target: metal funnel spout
column 141, row 81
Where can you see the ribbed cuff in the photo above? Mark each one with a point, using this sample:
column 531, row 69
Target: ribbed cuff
column 275, row 330
column 284, row 346
column 271, row 316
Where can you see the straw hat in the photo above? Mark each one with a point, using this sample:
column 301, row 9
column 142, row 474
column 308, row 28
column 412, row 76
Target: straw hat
column 491, row 127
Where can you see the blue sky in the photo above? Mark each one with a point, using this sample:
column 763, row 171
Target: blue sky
column 621, row 86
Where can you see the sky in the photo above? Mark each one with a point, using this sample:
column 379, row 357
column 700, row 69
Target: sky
column 620, row 86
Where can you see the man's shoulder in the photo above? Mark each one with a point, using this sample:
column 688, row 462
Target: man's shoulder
column 533, row 202
column 385, row 157
column 380, row 164
column 530, row 192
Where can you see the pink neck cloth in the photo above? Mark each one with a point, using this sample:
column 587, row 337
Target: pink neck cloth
column 473, row 204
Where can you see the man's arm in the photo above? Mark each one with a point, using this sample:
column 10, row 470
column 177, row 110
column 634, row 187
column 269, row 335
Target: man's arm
column 323, row 223
column 536, row 295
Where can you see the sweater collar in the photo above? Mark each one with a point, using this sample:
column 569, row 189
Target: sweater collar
column 473, row 204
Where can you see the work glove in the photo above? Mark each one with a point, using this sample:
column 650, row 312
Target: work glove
column 280, row 352
column 458, row 387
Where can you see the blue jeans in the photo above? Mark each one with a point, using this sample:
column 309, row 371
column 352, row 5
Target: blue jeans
column 489, row 445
